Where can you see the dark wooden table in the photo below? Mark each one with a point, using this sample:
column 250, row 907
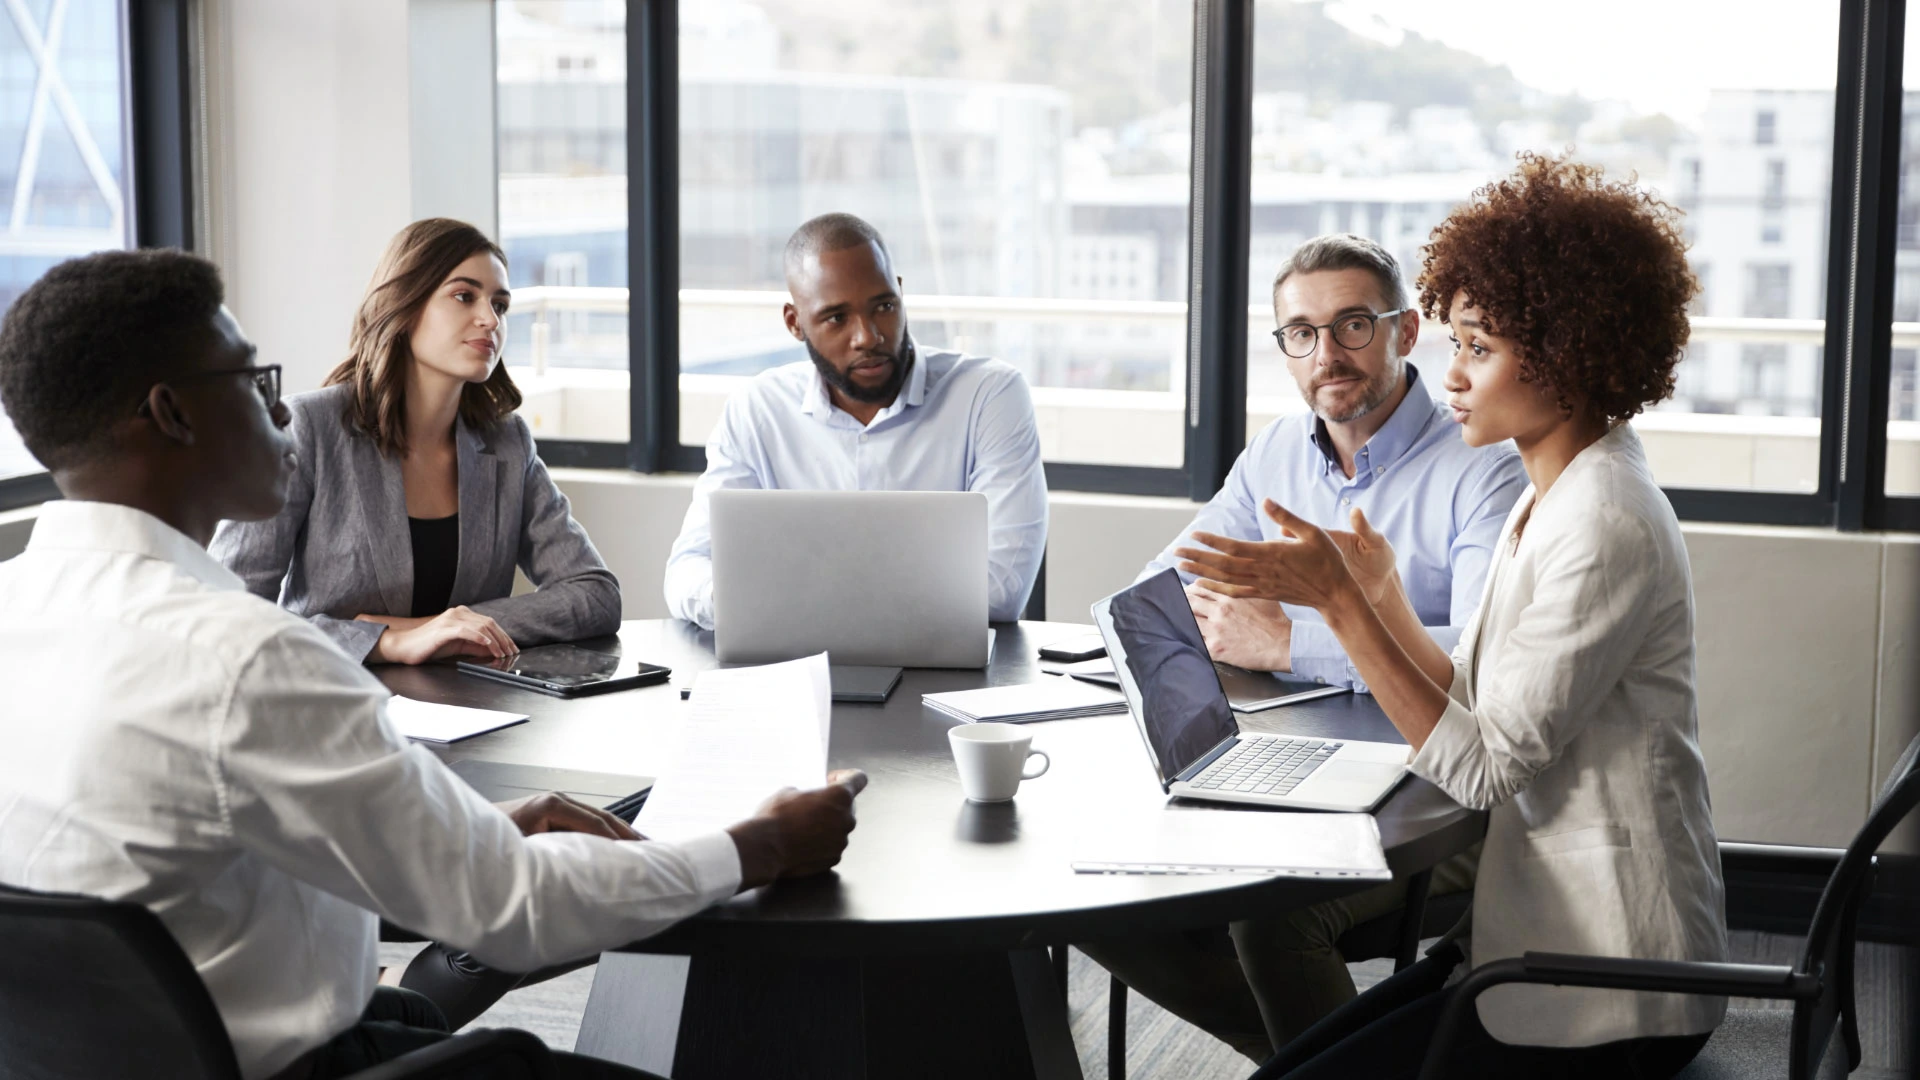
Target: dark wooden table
column 923, row 954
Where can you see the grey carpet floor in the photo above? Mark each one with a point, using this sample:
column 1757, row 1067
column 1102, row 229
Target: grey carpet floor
column 1161, row 1045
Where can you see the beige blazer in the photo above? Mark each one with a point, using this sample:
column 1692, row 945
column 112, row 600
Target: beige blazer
column 341, row 546
column 1573, row 720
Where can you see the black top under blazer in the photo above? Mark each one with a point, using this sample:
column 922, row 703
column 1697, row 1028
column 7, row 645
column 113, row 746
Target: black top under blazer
column 341, row 546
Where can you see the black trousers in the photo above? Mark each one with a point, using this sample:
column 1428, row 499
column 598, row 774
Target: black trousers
column 459, row 985
column 1383, row 1035
column 400, row 1021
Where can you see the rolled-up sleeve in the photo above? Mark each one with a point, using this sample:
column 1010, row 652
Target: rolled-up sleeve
column 689, row 577
column 1004, row 465
column 1589, row 612
column 312, row 777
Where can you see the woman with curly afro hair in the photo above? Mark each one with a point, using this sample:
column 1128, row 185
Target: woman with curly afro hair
column 1568, row 708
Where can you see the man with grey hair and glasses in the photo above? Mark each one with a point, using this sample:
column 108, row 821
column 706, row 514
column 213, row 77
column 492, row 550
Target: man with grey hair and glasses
column 1373, row 441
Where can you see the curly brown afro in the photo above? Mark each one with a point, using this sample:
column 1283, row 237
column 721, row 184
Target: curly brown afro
column 1589, row 278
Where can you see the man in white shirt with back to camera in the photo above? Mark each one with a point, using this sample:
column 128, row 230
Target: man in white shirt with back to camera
column 873, row 411
column 175, row 741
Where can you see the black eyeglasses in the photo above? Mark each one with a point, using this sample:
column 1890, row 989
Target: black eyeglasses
column 1351, row 331
column 266, row 379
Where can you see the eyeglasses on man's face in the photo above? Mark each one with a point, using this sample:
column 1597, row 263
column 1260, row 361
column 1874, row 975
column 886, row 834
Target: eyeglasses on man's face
column 1353, row 330
column 266, row 379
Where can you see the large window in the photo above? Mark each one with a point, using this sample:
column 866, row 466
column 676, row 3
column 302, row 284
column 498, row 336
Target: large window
column 562, row 143
column 1034, row 165
column 63, row 150
column 1377, row 117
column 1903, row 398
column 1027, row 163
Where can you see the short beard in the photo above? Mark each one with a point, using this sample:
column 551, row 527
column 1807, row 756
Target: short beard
column 1377, row 394
column 853, row 391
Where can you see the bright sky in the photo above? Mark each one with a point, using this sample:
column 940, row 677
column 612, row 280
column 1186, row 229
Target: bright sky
column 1662, row 55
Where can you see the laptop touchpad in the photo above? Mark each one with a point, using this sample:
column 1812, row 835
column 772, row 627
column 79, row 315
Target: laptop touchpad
column 1359, row 781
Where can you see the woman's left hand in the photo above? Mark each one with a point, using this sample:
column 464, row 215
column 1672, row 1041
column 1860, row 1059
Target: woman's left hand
column 1307, row 569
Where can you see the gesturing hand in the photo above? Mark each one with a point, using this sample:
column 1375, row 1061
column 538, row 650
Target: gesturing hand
column 1369, row 557
column 555, row 812
column 1305, row 567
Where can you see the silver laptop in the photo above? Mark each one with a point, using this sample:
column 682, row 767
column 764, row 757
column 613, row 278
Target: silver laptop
column 893, row 578
column 1192, row 737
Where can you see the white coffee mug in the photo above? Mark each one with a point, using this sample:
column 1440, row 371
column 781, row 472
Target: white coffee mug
column 992, row 759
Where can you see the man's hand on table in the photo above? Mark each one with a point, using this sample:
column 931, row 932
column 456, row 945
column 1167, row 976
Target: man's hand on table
column 554, row 812
column 1249, row 633
column 795, row 833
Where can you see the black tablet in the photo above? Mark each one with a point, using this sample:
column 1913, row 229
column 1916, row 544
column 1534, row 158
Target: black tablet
column 568, row 670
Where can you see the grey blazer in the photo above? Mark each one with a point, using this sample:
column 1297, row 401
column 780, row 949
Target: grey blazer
column 341, row 546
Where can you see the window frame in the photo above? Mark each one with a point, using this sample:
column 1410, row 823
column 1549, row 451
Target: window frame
column 157, row 77
column 1856, row 367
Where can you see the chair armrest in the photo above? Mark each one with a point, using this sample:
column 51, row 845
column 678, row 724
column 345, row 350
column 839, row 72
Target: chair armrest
column 454, row 1056
column 1616, row 973
column 1669, row 976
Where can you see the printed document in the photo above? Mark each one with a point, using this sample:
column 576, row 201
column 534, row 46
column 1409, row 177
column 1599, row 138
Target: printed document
column 430, row 722
column 1267, row 842
column 748, row 732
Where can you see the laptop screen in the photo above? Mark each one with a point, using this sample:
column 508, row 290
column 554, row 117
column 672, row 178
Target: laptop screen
column 1165, row 671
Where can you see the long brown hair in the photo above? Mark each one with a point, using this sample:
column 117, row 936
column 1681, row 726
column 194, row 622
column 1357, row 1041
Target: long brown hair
column 416, row 263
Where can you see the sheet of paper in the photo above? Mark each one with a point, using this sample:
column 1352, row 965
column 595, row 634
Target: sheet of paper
column 429, row 722
column 1180, row 841
column 747, row 733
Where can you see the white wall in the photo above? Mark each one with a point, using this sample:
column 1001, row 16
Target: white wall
column 330, row 126
column 309, row 165
column 451, row 111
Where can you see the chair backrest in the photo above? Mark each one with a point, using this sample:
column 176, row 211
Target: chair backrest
column 1830, row 940
column 92, row 988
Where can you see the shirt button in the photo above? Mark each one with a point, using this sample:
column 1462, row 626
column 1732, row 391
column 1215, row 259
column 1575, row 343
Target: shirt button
column 1379, row 470
column 1346, row 502
column 1321, row 679
column 863, row 436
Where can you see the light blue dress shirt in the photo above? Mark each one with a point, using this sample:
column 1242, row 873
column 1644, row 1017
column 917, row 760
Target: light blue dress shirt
column 1438, row 501
column 961, row 423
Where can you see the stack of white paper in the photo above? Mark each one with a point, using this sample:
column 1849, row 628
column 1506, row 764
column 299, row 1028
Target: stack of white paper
column 1048, row 699
column 748, row 732
column 1172, row 841
column 429, row 722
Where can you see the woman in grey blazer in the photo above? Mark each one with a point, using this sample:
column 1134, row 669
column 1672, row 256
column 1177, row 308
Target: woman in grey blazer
column 418, row 491
column 417, row 494
column 1568, row 709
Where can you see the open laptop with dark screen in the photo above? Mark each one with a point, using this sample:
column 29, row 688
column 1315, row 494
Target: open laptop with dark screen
column 1191, row 733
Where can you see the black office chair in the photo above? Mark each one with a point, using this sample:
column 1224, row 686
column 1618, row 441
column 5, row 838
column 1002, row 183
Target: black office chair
column 1396, row 934
column 96, row 988
column 1036, row 610
column 1820, row 985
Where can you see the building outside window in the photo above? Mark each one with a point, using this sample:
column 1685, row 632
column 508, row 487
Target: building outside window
column 1029, row 163
column 63, row 150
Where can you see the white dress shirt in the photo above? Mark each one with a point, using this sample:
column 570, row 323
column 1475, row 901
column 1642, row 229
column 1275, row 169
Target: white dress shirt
column 961, row 423
column 1573, row 718
column 174, row 741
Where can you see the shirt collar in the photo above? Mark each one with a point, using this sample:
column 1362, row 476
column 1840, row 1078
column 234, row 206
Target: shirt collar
column 1395, row 437
column 815, row 401
column 75, row 525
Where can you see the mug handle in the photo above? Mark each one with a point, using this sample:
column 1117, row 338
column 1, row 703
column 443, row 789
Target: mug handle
column 1045, row 764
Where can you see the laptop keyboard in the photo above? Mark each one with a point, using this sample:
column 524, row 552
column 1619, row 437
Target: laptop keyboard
column 1272, row 766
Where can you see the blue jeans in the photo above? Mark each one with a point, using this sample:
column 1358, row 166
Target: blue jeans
column 1383, row 1035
